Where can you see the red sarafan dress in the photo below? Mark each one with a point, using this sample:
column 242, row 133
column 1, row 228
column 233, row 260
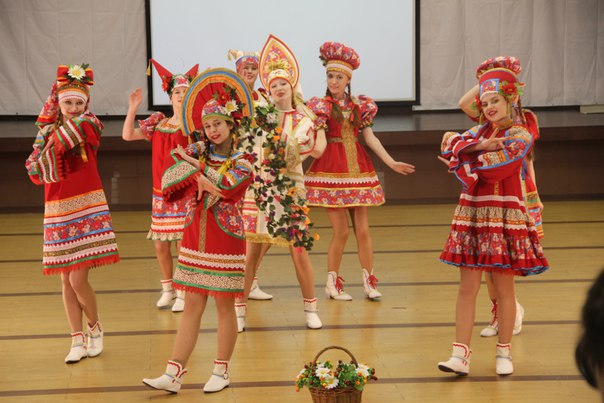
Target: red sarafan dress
column 529, row 187
column 491, row 228
column 78, row 232
column 211, row 259
column 344, row 176
column 167, row 217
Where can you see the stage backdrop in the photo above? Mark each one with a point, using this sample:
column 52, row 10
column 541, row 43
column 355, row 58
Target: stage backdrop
column 559, row 43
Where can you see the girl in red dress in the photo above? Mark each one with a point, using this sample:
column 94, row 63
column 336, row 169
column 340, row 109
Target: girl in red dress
column 344, row 179
column 78, row 234
column 491, row 230
column 211, row 259
column 167, row 217
column 469, row 104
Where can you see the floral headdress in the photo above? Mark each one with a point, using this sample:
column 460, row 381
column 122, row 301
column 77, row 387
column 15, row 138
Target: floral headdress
column 224, row 105
column 499, row 75
column 278, row 61
column 170, row 81
column 339, row 57
column 243, row 59
column 216, row 92
column 73, row 81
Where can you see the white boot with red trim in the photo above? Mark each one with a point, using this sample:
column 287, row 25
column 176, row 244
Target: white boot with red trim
column 179, row 301
column 312, row 314
column 240, row 312
column 167, row 295
column 459, row 361
column 493, row 327
column 334, row 288
column 503, row 360
column 95, row 339
column 78, row 349
column 257, row 294
column 171, row 380
column 220, row 377
column 370, row 285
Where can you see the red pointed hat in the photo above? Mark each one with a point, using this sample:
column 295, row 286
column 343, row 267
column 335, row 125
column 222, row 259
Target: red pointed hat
column 170, row 81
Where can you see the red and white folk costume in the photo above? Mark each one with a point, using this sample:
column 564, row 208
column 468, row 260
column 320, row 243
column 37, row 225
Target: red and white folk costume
column 167, row 217
column 211, row 260
column 491, row 229
column 344, row 176
column 78, row 232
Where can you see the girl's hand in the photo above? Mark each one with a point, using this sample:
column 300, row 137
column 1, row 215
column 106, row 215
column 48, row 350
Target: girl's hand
column 402, row 168
column 50, row 143
column 180, row 151
column 204, row 185
column 491, row 144
column 443, row 160
column 135, row 98
column 183, row 154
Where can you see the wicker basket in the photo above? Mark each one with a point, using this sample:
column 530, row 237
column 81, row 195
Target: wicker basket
column 336, row 395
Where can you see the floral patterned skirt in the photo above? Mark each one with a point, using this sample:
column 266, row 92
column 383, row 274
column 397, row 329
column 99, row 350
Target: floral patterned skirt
column 211, row 261
column 494, row 233
column 167, row 218
column 78, row 233
column 343, row 177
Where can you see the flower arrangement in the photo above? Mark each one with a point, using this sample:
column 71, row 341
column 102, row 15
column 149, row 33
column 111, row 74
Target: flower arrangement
column 76, row 72
column 325, row 375
column 276, row 187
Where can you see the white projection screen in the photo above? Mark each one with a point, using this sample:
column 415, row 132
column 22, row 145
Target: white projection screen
column 182, row 33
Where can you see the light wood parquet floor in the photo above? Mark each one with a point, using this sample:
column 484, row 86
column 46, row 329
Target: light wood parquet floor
column 403, row 336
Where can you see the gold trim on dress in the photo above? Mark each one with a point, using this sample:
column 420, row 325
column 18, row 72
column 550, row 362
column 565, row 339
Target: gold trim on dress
column 203, row 224
column 350, row 147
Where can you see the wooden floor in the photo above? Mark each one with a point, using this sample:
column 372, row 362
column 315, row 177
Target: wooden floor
column 403, row 336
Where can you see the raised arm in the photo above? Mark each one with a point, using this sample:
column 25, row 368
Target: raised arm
column 467, row 103
column 129, row 132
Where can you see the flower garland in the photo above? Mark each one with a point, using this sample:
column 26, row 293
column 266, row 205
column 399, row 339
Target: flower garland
column 324, row 375
column 293, row 224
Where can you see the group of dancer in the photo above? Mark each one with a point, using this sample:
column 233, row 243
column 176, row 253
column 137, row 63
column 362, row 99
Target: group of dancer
column 228, row 184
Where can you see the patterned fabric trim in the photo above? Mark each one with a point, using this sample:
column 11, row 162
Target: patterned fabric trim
column 164, row 236
column 338, row 198
column 74, row 204
column 177, row 176
column 266, row 238
column 148, row 125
